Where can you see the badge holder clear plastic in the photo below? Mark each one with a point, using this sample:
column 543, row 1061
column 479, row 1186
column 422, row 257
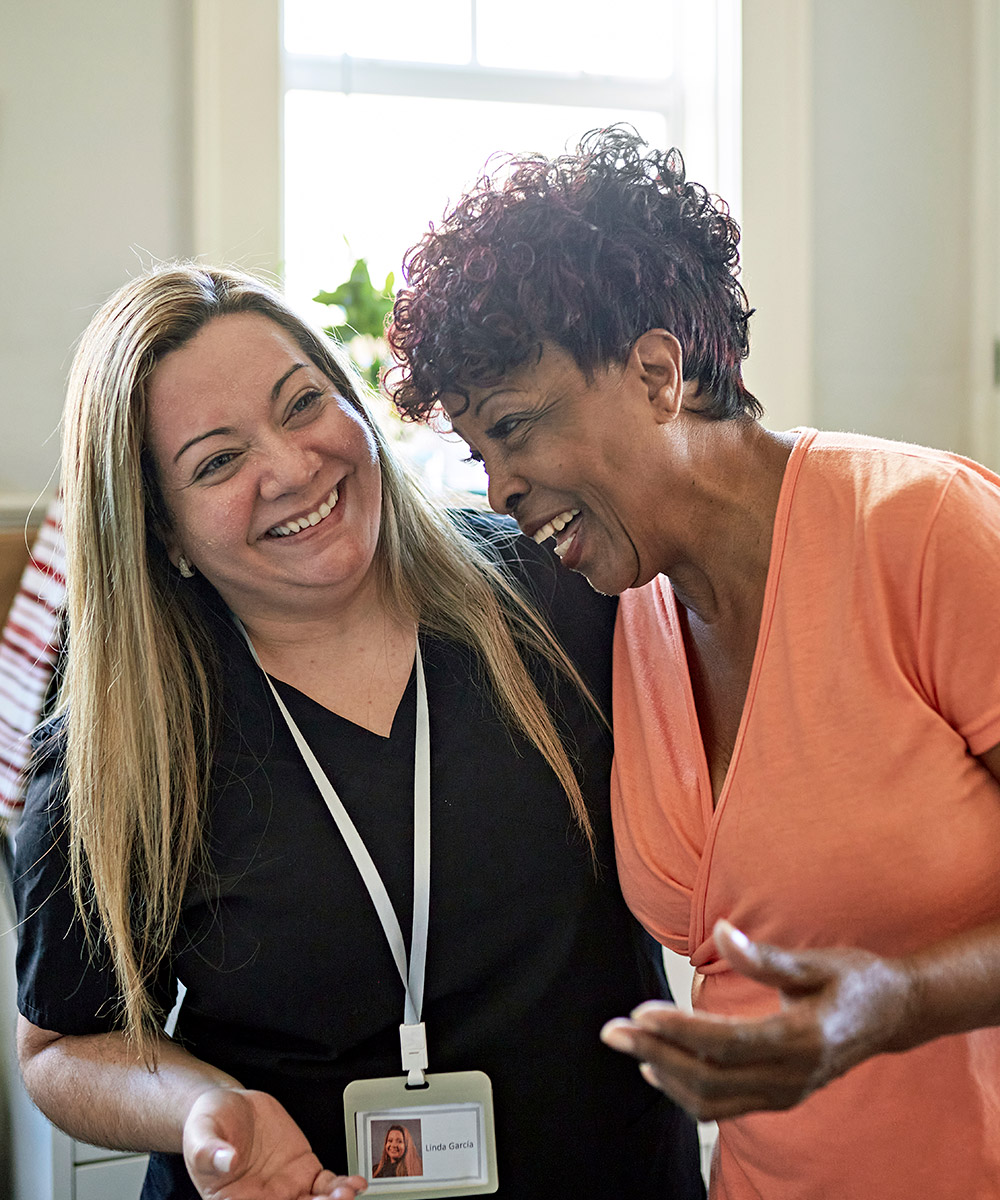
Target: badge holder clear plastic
column 448, row 1121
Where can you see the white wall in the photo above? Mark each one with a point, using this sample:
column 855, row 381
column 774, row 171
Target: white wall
column 858, row 142
column 860, row 145
column 892, row 193
column 94, row 181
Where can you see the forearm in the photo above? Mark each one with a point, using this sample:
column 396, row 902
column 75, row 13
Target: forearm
column 954, row 987
column 98, row 1090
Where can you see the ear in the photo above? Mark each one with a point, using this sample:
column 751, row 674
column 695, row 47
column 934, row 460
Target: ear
column 658, row 359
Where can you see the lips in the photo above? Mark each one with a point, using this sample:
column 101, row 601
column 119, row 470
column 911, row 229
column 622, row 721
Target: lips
column 308, row 520
column 564, row 527
column 566, row 541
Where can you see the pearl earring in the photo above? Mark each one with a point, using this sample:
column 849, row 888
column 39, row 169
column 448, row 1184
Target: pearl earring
column 185, row 568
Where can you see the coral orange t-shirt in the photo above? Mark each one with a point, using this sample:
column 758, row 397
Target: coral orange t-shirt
column 854, row 811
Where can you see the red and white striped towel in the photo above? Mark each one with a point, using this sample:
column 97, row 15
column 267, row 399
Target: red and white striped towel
column 29, row 646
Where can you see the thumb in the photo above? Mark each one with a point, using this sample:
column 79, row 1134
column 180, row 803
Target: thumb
column 223, row 1157
column 782, row 969
column 208, row 1153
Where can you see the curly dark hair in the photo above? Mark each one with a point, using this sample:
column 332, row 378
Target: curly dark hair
column 588, row 251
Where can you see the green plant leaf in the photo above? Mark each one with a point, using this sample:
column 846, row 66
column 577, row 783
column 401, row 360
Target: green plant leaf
column 363, row 311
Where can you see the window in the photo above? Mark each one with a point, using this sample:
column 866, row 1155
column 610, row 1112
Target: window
column 392, row 110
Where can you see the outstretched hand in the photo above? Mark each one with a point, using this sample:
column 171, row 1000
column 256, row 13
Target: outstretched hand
column 243, row 1145
column 839, row 1007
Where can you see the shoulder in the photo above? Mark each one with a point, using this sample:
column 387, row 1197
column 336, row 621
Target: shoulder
column 900, row 476
column 43, row 822
column 554, row 589
column 870, row 496
column 44, row 774
column 582, row 619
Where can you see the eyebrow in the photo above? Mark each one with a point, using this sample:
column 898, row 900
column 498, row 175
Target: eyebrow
column 226, row 429
column 492, row 395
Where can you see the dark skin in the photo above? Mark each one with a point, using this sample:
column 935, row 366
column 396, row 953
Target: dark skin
column 633, row 482
column 720, row 658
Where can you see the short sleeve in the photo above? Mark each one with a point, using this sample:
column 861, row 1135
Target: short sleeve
column 959, row 617
column 62, row 984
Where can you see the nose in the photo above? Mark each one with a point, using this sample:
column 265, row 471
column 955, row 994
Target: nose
column 287, row 466
column 505, row 490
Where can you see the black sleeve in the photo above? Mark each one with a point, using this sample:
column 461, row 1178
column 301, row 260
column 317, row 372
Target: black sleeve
column 63, row 984
column 583, row 620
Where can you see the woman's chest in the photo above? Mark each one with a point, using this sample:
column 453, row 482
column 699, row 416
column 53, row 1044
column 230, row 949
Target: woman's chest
column 718, row 663
column 288, row 911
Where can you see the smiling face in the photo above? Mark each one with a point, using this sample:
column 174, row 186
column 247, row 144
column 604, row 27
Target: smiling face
column 270, row 478
column 574, row 460
column 395, row 1145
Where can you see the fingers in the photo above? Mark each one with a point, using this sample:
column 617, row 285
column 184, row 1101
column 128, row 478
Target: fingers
column 792, row 973
column 222, row 1159
column 711, row 1077
column 838, row 1007
column 212, row 1159
column 708, row 1037
column 328, row 1186
column 718, row 1107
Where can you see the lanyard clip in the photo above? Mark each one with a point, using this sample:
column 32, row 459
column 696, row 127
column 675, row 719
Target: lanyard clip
column 413, row 1044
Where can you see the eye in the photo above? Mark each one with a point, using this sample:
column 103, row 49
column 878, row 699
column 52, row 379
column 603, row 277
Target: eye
column 215, row 464
column 507, row 426
column 303, row 403
column 473, row 456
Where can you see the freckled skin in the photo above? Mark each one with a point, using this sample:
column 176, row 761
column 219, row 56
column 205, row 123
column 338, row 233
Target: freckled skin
column 234, row 460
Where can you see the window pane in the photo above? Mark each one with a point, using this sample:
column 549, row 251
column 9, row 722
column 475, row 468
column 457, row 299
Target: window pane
column 549, row 35
column 354, row 188
column 432, row 31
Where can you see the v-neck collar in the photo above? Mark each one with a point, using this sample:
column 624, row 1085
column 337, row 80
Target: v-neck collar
column 712, row 808
column 402, row 718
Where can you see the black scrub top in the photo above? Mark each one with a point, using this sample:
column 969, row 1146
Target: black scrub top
column 291, row 986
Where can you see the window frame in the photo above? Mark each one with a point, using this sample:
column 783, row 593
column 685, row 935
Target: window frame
column 238, row 87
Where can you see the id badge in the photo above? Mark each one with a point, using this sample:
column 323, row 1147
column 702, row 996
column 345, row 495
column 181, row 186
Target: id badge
column 436, row 1140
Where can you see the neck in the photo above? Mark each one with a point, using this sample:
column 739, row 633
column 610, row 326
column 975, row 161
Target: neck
column 277, row 637
column 354, row 660
column 730, row 474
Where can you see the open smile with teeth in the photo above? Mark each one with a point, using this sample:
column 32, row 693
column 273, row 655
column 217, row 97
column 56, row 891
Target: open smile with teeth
column 306, row 522
column 555, row 527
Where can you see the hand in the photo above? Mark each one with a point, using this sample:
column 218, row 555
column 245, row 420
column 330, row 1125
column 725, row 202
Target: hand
column 839, row 1007
column 242, row 1145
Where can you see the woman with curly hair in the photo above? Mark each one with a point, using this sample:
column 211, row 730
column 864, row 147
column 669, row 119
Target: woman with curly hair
column 806, row 790
column 399, row 1155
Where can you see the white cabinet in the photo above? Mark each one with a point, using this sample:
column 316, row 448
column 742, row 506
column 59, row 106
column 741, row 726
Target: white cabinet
column 37, row 1162
column 48, row 1165
column 107, row 1178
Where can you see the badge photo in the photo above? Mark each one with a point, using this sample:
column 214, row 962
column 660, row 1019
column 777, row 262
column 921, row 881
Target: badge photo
column 432, row 1141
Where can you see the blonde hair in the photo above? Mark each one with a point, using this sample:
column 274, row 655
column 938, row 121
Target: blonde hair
column 139, row 685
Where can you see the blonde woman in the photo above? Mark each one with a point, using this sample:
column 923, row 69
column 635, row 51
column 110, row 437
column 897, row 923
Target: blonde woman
column 400, row 1157
column 240, row 539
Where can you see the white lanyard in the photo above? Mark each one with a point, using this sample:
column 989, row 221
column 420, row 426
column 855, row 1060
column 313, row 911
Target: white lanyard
column 413, row 1041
